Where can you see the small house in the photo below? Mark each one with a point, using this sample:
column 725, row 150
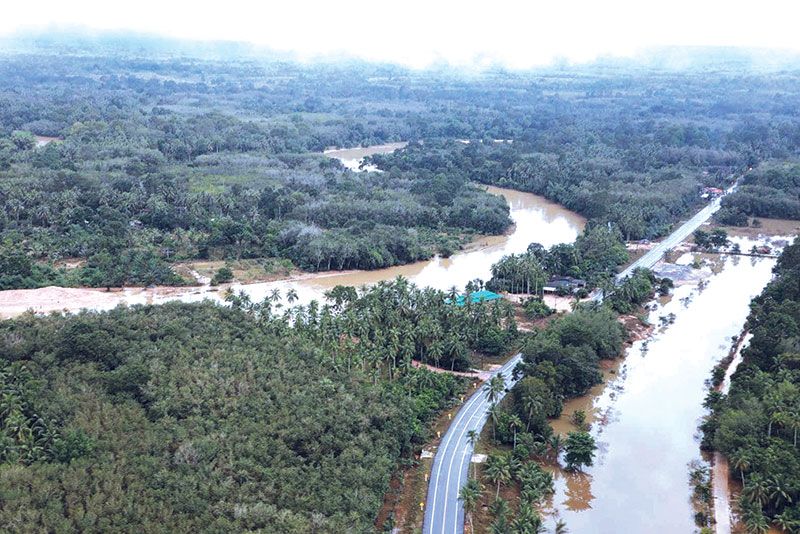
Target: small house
column 564, row 284
column 711, row 192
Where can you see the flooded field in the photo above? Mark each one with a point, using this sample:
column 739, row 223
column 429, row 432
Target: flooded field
column 535, row 219
column 645, row 418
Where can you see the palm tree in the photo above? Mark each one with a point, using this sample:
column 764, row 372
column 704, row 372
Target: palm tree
column 756, row 523
column 740, row 460
column 494, row 415
column 469, row 495
column 777, row 491
column 786, row 522
column 514, row 422
column 498, row 471
column 452, row 294
column 793, row 417
column 556, row 444
column 756, row 490
column 472, row 438
column 500, row 511
column 532, row 404
column 561, row 527
column 494, row 387
column 527, row 521
column 291, row 295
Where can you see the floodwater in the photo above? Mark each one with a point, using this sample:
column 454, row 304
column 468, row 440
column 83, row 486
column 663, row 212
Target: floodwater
column 646, row 418
column 535, row 218
column 720, row 473
column 352, row 157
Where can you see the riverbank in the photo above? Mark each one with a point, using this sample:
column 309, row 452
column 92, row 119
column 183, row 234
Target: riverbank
column 720, row 471
column 534, row 218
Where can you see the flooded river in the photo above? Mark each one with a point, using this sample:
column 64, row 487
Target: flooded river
column 535, row 219
column 646, row 417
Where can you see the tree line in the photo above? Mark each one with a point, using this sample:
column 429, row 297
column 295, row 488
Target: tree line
column 177, row 159
column 756, row 424
column 200, row 418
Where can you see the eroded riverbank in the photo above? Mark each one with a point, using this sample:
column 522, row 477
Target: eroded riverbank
column 535, row 219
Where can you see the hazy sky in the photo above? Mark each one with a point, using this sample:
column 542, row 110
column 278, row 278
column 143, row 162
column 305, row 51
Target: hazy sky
column 417, row 32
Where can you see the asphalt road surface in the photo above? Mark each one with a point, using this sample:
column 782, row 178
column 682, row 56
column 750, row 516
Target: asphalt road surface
column 444, row 513
column 673, row 239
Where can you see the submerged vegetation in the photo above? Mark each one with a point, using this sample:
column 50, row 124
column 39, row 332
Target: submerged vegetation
column 158, row 161
column 256, row 417
column 756, row 425
column 560, row 361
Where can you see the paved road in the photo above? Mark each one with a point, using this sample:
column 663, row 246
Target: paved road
column 444, row 513
column 676, row 237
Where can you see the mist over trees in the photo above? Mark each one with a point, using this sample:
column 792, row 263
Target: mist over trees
column 173, row 159
column 252, row 416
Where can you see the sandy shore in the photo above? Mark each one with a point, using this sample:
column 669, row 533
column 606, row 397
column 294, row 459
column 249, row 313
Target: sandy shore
column 48, row 299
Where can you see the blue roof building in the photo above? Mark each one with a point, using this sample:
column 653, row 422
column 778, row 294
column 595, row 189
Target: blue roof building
column 478, row 296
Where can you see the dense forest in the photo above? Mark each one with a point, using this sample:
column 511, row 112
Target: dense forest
column 772, row 190
column 756, row 425
column 204, row 418
column 172, row 159
column 256, row 416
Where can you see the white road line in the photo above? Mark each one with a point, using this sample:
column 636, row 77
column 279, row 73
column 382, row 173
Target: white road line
column 482, row 409
column 475, row 406
column 443, row 447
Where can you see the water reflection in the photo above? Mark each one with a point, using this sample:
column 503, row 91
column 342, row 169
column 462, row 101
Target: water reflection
column 639, row 482
column 535, row 219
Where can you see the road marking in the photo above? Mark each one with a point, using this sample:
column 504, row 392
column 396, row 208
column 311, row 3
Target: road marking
column 484, row 417
column 481, row 408
column 441, row 451
column 476, row 406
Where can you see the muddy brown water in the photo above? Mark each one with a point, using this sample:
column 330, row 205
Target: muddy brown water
column 536, row 219
column 645, row 418
column 352, row 157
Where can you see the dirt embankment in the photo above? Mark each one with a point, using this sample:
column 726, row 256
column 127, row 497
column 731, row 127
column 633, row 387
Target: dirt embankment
column 720, row 469
column 635, row 327
column 15, row 302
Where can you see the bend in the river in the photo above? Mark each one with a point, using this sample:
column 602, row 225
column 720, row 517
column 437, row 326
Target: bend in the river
column 535, row 218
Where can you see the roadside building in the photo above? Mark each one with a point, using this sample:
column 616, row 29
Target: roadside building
column 477, row 297
column 711, row 192
column 564, row 284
